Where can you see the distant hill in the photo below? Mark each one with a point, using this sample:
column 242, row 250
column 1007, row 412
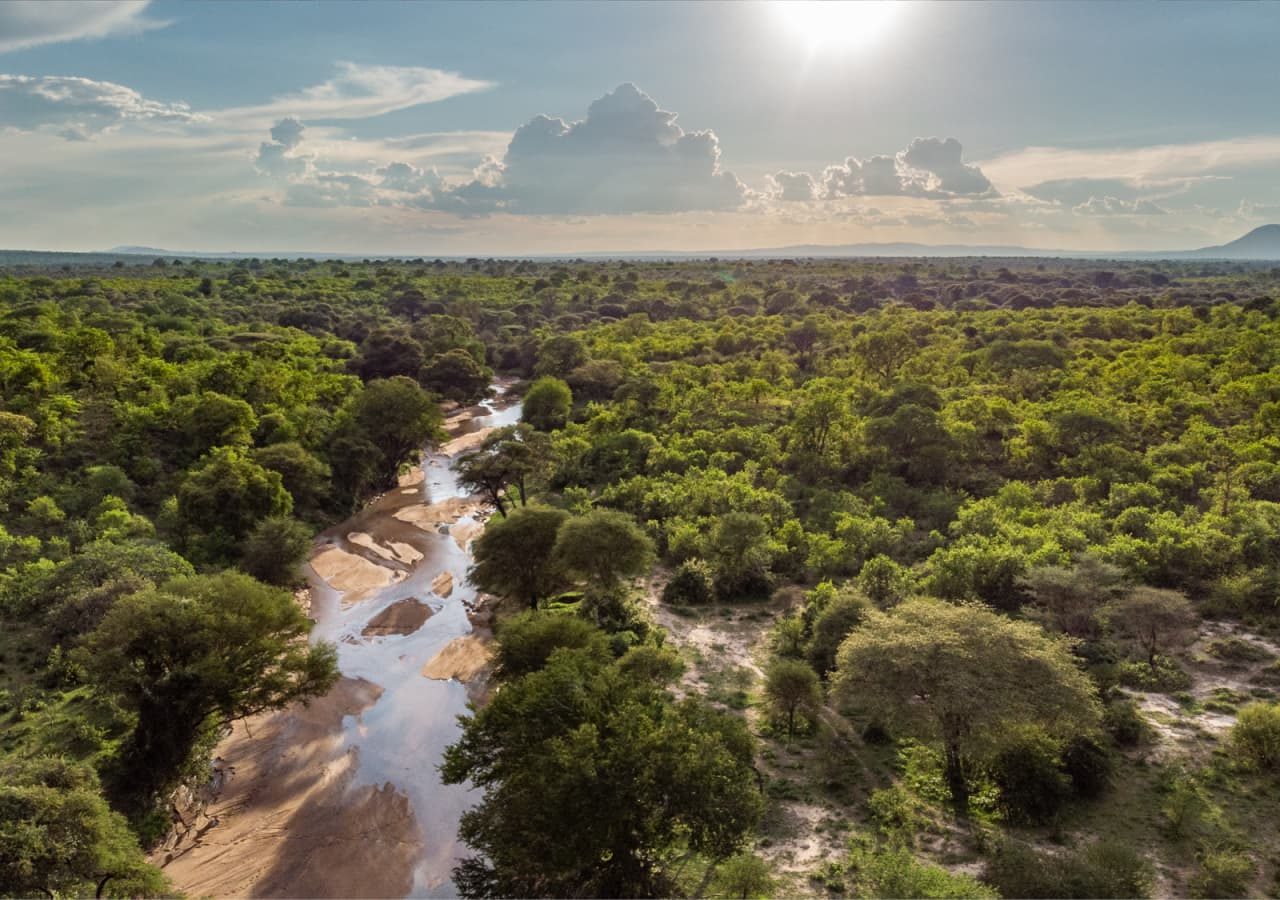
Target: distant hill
column 1261, row 243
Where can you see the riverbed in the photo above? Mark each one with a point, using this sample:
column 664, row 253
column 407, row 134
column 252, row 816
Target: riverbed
column 342, row 798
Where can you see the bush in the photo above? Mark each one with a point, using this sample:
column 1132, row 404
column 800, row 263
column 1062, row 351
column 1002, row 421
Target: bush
column 1255, row 738
column 275, row 549
column 743, row 876
column 691, row 584
column 1088, row 764
column 1102, row 870
column 897, row 812
column 1124, row 722
column 1032, row 786
column 895, row 872
column 1165, row 676
column 1223, row 873
column 526, row 641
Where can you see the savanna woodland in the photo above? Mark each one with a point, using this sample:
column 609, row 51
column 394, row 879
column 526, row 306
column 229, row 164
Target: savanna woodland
column 854, row 578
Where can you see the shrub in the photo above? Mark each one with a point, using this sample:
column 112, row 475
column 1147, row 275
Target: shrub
column 1124, row 722
column 897, row 812
column 1102, row 870
column 1032, row 786
column 1237, row 651
column 1255, row 738
column 895, row 872
column 1088, row 764
column 691, row 584
column 1164, row 676
column 1223, row 872
column 743, row 876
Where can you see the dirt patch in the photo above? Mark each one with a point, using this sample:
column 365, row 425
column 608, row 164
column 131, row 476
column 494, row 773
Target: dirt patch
column 311, row 834
column 402, row 617
column 463, row 659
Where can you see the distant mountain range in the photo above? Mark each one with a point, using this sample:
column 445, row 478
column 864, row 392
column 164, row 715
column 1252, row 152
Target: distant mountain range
column 1261, row 244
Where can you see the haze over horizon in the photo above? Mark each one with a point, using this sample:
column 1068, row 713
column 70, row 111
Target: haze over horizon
column 561, row 128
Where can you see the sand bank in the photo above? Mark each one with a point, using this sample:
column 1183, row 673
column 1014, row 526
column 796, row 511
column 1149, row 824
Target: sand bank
column 264, row 835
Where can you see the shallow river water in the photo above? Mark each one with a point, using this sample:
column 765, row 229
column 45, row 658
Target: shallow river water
column 400, row 740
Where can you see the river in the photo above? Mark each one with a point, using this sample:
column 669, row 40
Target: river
column 342, row 797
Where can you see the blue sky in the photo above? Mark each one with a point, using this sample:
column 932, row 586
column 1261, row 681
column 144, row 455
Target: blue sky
column 562, row 127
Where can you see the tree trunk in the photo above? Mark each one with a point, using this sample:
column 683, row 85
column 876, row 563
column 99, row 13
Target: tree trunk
column 956, row 782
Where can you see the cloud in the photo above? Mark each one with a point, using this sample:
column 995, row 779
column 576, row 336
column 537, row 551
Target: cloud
column 928, row 167
column 33, row 23
column 1114, row 206
column 793, row 187
column 79, row 108
column 1165, row 164
column 362, row 92
column 408, row 179
column 287, row 132
column 626, row 156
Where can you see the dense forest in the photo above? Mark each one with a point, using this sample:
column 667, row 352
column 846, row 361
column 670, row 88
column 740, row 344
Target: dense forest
column 949, row 578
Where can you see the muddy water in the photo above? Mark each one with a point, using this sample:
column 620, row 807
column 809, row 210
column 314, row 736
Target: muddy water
column 400, row 739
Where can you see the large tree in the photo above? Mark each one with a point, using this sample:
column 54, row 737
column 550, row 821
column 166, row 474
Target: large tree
column 195, row 651
column 962, row 674
column 604, row 547
column 1152, row 618
column 514, row 556
column 592, row 778
column 397, row 417
column 59, row 838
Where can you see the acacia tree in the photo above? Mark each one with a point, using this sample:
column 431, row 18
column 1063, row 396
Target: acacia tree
column 1153, row 618
column 604, row 547
column 962, row 674
column 507, row 458
column 792, row 687
column 201, row 648
column 592, row 778
column 514, row 556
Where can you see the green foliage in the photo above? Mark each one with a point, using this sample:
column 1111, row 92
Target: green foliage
column 1152, row 619
column 603, row 547
column 1223, row 872
column 197, row 647
column 691, row 583
column 514, row 556
column 58, row 836
column 831, row 626
column 275, row 549
column 547, row 404
column 397, row 417
column 1104, row 869
column 895, row 872
column 526, row 641
column 1255, row 736
column 792, row 687
column 1026, row 769
column 743, row 876
column 985, row 674
column 582, row 741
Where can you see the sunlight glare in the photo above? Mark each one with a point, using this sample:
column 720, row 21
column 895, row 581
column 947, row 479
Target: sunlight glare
column 837, row 24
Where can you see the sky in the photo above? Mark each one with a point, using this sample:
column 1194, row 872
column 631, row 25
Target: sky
column 491, row 128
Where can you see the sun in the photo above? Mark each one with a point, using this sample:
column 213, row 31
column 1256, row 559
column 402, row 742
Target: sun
column 837, row 24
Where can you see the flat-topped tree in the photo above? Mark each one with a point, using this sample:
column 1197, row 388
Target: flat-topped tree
column 962, row 675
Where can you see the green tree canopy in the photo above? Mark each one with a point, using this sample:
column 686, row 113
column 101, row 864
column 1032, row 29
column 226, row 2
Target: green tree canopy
column 962, row 674
column 637, row 776
column 514, row 557
column 224, row 646
column 604, row 547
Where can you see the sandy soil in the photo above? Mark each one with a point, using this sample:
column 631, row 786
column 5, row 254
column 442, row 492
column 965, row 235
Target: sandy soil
column 469, row 441
column 466, row 532
column 312, row 821
column 442, row 584
column 463, row 659
column 446, row 512
column 354, row 575
column 402, row 617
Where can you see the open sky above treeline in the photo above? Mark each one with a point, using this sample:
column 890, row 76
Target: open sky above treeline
column 572, row 127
